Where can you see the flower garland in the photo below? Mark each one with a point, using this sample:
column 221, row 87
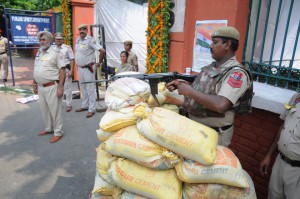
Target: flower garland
column 158, row 36
column 66, row 19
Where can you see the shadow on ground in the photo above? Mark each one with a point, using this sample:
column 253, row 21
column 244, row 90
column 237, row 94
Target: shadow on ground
column 31, row 167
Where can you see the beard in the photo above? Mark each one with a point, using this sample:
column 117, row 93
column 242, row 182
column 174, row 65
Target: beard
column 45, row 46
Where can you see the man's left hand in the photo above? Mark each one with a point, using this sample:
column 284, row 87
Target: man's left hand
column 70, row 73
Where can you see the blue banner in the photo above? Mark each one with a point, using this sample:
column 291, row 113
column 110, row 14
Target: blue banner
column 24, row 28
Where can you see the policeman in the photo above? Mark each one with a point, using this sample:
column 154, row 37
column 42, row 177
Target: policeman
column 3, row 56
column 69, row 61
column 285, row 177
column 215, row 93
column 85, row 59
column 49, row 76
column 132, row 58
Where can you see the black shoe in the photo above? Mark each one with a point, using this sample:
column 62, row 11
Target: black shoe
column 4, row 80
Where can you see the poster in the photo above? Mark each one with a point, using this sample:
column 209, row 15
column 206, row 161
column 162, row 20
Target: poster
column 202, row 41
column 24, row 28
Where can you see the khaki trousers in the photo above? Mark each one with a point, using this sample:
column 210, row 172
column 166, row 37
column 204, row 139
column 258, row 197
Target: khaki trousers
column 51, row 107
column 285, row 181
column 88, row 91
column 68, row 89
column 4, row 63
column 225, row 136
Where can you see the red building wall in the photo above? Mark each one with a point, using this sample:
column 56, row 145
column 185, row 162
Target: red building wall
column 253, row 135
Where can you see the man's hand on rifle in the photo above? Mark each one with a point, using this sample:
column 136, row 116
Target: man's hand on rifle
column 173, row 85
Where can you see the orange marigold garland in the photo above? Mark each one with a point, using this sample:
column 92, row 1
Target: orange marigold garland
column 66, row 20
column 158, row 36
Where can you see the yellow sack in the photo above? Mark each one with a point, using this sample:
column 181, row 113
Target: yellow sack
column 165, row 96
column 103, row 163
column 114, row 120
column 227, row 170
column 103, row 136
column 181, row 135
column 129, row 143
column 219, row 191
column 160, row 96
column 104, row 188
column 137, row 179
column 127, row 195
column 126, row 92
column 170, row 107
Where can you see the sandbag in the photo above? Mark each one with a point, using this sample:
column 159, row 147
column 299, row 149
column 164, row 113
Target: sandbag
column 104, row 188
column 103, row 163
column 137, row 179
column 99, row 196
column 127, row 195
column 191, row 191
column 227, row 170
column 181, row 135
column 103, row 136
column 126, row 92
column 165, row 96
column 170, row 107
column 114, row 120
column 129, row 143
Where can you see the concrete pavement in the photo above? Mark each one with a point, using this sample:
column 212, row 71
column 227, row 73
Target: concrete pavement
column 33, row 168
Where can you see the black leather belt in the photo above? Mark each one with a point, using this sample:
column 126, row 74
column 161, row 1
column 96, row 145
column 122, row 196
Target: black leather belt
column 223, row 128
column 293, row 163
column 2, row 53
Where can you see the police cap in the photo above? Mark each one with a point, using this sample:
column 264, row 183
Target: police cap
column 128, row 42
column 47, row 34
column 58, row 35
column 82, row 26
column 226, row 32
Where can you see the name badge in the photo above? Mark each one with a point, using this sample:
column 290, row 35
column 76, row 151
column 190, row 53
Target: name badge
column 82, row 46
column 44, row 58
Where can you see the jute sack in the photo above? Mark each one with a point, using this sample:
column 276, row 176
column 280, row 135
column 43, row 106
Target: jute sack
column 227, row 170
column 170, row 107
column 137, row 179
column 103, row 163
column 114, row 120
column 104, row 188
column 103, row 136
column 194, row 190
column 99, row 196
column 127, row 195
column 129, row 143
column 181, row 135
column 126, row 92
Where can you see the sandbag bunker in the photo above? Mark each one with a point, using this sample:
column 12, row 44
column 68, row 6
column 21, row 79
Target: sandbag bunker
column 150, row 151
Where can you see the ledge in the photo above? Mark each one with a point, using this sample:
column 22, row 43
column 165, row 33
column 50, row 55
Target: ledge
column 270, row 98
column 82, row 3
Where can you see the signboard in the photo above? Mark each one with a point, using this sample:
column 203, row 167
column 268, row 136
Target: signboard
column 201, row 52
column 24, row 28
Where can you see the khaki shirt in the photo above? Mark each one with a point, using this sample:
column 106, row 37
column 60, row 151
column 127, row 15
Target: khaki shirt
column 289, row 141
column 3, row 44
column 47, row 65
column 232, row 86
column 124, row 68
column 132, row 58
column 85, row 50
column 67, row 53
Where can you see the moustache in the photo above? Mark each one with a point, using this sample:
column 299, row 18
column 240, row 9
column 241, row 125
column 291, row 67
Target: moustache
column 211, row 50
column 81, row 33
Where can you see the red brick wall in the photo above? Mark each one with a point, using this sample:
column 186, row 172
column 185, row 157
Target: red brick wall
column 253, row 135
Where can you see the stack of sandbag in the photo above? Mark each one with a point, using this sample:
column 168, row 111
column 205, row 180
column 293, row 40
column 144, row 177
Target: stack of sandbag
column 153, row 152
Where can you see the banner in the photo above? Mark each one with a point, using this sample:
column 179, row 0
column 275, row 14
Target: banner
column 201, row 52
column 24, row 28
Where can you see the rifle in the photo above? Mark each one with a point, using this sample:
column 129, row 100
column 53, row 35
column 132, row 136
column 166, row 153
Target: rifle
column 153, row 79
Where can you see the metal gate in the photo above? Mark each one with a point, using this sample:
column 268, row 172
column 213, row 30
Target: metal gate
column 272, row 47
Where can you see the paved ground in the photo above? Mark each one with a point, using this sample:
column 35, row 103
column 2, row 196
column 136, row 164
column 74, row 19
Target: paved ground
column 31, row 167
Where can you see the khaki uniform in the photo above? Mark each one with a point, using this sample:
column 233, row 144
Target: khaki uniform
column 124, row 68
column 132, row 59
column 285, row 179
column 68, row 56
column 85, row 54
column 231, row 86
column 3, row 56
column 46, row 69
